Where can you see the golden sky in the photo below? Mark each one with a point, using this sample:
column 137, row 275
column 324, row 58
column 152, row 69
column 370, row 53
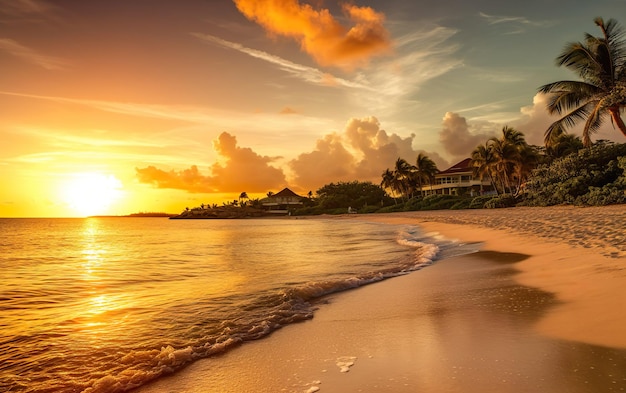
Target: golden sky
column 116, row 107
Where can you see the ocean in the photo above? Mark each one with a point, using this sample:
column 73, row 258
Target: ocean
column 109, row 304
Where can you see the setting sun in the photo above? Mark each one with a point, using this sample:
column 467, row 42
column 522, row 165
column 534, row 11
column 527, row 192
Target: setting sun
column 91, row 193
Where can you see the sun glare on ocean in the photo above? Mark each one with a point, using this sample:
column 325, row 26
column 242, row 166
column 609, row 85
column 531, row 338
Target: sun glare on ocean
column 91, row 193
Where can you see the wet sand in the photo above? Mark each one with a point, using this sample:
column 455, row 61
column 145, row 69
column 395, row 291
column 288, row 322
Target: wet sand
column 539, row 309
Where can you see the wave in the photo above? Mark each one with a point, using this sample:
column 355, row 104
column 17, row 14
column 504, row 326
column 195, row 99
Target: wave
column 256, row 318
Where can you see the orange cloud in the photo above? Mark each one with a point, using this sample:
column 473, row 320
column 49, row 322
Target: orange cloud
column 189, row 179
column 361, row 152
column 319, row 33
column 243, row 170
column 288, row 111
column 329, row 162
column 456, row 138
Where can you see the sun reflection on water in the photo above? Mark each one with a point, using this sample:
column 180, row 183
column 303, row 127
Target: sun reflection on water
column 100, row 303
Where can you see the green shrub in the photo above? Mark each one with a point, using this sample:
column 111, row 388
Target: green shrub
column 369, row 209
column 479, row 201
column 462, row 204
column 445, row 203
column 505, row 200
column 593, row 176
column 393, row 208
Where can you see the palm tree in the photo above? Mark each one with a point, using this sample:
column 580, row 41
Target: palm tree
column 425, row 170
column 270, row 194
column 483, row 163
column 506, row 155
column 389, row 182
column 528, row 159
column 601, row 63
column 402, row 173
column 563, row 145
column 243, row 195
column 513, row 136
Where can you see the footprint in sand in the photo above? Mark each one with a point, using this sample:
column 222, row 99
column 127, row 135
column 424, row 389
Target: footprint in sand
column 345, row 362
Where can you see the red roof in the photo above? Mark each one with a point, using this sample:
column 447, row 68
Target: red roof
column 286, row 193
column 463, row 166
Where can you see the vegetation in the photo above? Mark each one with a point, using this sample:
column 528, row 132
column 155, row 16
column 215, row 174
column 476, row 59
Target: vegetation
column 338, row 198
column 506, row 161
column 405, row 179
column 568, row 170
column 601, row 64
column 593, row 176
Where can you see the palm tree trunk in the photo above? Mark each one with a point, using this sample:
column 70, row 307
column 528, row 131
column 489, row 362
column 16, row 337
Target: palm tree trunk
column 617, row 119
column 493, row 183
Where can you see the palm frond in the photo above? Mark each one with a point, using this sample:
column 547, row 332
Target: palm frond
column 615, row 45
column 565, row 95
column 553, row 133
column 601, row 63
column 579, row 58
column 577, row 115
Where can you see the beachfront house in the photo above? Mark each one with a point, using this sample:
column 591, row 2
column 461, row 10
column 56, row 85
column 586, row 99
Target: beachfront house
column 459, row 179
column 282, row 202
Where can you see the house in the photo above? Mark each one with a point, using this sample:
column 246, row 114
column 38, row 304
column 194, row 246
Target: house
column 457, row 180
column 282, row 202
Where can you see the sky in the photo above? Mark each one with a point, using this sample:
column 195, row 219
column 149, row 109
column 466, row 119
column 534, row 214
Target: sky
column 124, row 106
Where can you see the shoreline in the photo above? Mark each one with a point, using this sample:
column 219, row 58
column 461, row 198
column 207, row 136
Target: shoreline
column 529, row 312
column 577, row 254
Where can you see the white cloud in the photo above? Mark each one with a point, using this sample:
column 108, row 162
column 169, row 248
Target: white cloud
column 535, row 120
column 305, row 73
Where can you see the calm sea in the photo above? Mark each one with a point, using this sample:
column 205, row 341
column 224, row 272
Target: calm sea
column 108, row 304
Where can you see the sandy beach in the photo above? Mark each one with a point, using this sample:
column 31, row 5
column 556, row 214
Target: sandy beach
column 540, row 308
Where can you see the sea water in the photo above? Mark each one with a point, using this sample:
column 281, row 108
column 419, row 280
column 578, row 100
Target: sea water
column 109, row 304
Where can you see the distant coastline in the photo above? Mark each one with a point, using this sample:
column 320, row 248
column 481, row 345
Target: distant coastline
column 146, row 214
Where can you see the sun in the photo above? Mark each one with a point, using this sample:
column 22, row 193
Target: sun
column 91, row 193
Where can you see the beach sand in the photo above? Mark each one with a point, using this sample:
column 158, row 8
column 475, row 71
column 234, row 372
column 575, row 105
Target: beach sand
column 539, row 309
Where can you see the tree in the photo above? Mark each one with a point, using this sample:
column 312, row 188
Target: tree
column 564, row 145
column 601, row 64
column 425, row 170
column 528, row 159
column 505, row 155
column 402, row 172
column 513, row 137
column 350, row 194
column 483, row 163
column 507, row 160
column 243, row 195
column 389, row 182
column 270, row 194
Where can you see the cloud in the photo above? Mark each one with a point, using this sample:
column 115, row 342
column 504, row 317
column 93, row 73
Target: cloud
column 288, row 111
column 361, row 152
column 423, row 54
column 330, row 161
column 518, row 23
column 319, row 33
column 29, row 55
column 190, row 180
column 305, row 73
column 497, row 19
column 17, row 8
column 457, row 139
column 242, row 170
column 536, row 119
